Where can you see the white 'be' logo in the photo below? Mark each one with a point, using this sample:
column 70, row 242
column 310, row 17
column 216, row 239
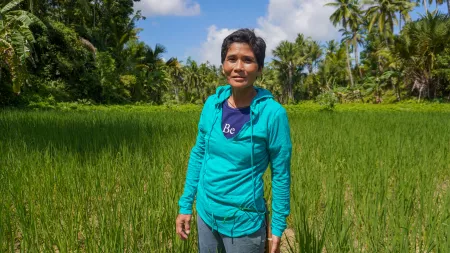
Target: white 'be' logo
column 227, row 129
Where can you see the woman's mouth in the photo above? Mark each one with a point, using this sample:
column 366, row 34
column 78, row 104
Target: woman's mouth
column 239, row 78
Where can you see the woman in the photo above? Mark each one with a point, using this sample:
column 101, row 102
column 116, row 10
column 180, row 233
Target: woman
column 241, row 130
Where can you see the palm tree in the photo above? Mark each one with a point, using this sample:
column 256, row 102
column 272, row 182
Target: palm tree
column 404, row 8
column 333, row 67
column 392, row 69
column 153, row 57
column 36, row 7
column 314, row 53
column 440, row 2
column 287, row 62
column 425, row 4
column 382, row 12
column 151, row 66
column 356, row 35
column 331, row 47
column 430, row 2
column 15, row 41
column 345, row 9
column 205, row 80
column 354, row 38
column 176, row 74
column 192, row 79
column 417, row 48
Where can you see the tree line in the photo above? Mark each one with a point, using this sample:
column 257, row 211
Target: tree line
column 88, row 51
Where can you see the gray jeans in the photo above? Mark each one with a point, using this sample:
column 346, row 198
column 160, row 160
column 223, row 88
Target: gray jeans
column 213, row 242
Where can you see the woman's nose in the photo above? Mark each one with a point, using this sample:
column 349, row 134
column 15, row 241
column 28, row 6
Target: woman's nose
column 239, row 66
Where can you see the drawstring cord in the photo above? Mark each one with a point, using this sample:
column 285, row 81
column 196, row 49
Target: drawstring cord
column 215, row 225
column 253, row 169
column 204, row 173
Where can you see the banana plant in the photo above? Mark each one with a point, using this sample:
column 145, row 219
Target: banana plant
column 374, row 86
column 15, row 41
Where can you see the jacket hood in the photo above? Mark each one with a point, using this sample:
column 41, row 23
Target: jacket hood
column 224, row 92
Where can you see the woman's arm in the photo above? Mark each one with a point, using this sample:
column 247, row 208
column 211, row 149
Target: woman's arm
column 194, row 166
column 280, row 149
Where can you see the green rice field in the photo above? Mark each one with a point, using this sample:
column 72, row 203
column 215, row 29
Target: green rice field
column 109, row 181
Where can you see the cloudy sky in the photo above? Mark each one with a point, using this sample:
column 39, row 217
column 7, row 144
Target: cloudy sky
column 196, row 28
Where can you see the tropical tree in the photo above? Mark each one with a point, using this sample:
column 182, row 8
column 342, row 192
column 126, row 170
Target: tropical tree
column 354, row 35
column 176, row 76
column 392, row 71
column 418, row 47
column 354, row 39
column 192, row 80
column 331, row 47
column 332, row 71
column 289, row 61
column 374, row 86
column 440, row 2
column 426, row 3
column 314, row 54
column 153, row 58
column 16, row 41
column 404, row 8
column 270, row 80
column 345, row 9
column 383, row 13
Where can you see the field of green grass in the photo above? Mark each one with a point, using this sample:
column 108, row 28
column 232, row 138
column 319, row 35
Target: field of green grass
column 109, row 180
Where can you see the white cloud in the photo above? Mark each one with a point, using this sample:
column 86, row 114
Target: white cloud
column 283, row 21
column 210, row 49
column 168, row 7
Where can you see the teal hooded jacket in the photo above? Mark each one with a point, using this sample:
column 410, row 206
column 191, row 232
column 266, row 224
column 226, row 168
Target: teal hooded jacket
column 225, row 175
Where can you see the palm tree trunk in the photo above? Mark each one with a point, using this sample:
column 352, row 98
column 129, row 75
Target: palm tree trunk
column 348, row 65
column 203, row 94
column 397, row 92
column 448, row 7
column 290, row 93
column 186, row 93
column 357, row 59
column 197, row 89
column 95, row 5
column 426, row 8
column 175, row 90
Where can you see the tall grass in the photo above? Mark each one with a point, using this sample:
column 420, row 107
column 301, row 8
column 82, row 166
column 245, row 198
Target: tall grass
column 109, row 181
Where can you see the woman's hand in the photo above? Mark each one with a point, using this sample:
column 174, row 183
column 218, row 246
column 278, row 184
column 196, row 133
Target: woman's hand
column 183, row 225
column 275, row 244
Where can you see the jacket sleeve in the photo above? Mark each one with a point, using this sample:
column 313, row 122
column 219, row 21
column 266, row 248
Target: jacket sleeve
column 280, row 150
column 194, row 166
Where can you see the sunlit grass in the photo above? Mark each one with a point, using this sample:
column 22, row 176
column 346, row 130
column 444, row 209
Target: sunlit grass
column 109, row 181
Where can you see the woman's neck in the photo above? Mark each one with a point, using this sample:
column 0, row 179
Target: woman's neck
column 242, row 97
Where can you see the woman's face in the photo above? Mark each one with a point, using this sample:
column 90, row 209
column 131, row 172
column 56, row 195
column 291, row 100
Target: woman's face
column 240, row 66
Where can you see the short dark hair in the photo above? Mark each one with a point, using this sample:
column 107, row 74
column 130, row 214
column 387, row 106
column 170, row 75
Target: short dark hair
column 248, row 36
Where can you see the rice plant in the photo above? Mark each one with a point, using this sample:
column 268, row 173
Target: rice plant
column 109, row 181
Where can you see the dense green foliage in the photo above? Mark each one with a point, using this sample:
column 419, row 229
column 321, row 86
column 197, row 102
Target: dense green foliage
column 88, row 52
column 108, row 180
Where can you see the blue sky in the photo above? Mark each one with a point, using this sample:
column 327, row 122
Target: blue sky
column 197, row 28
column 182, row 35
